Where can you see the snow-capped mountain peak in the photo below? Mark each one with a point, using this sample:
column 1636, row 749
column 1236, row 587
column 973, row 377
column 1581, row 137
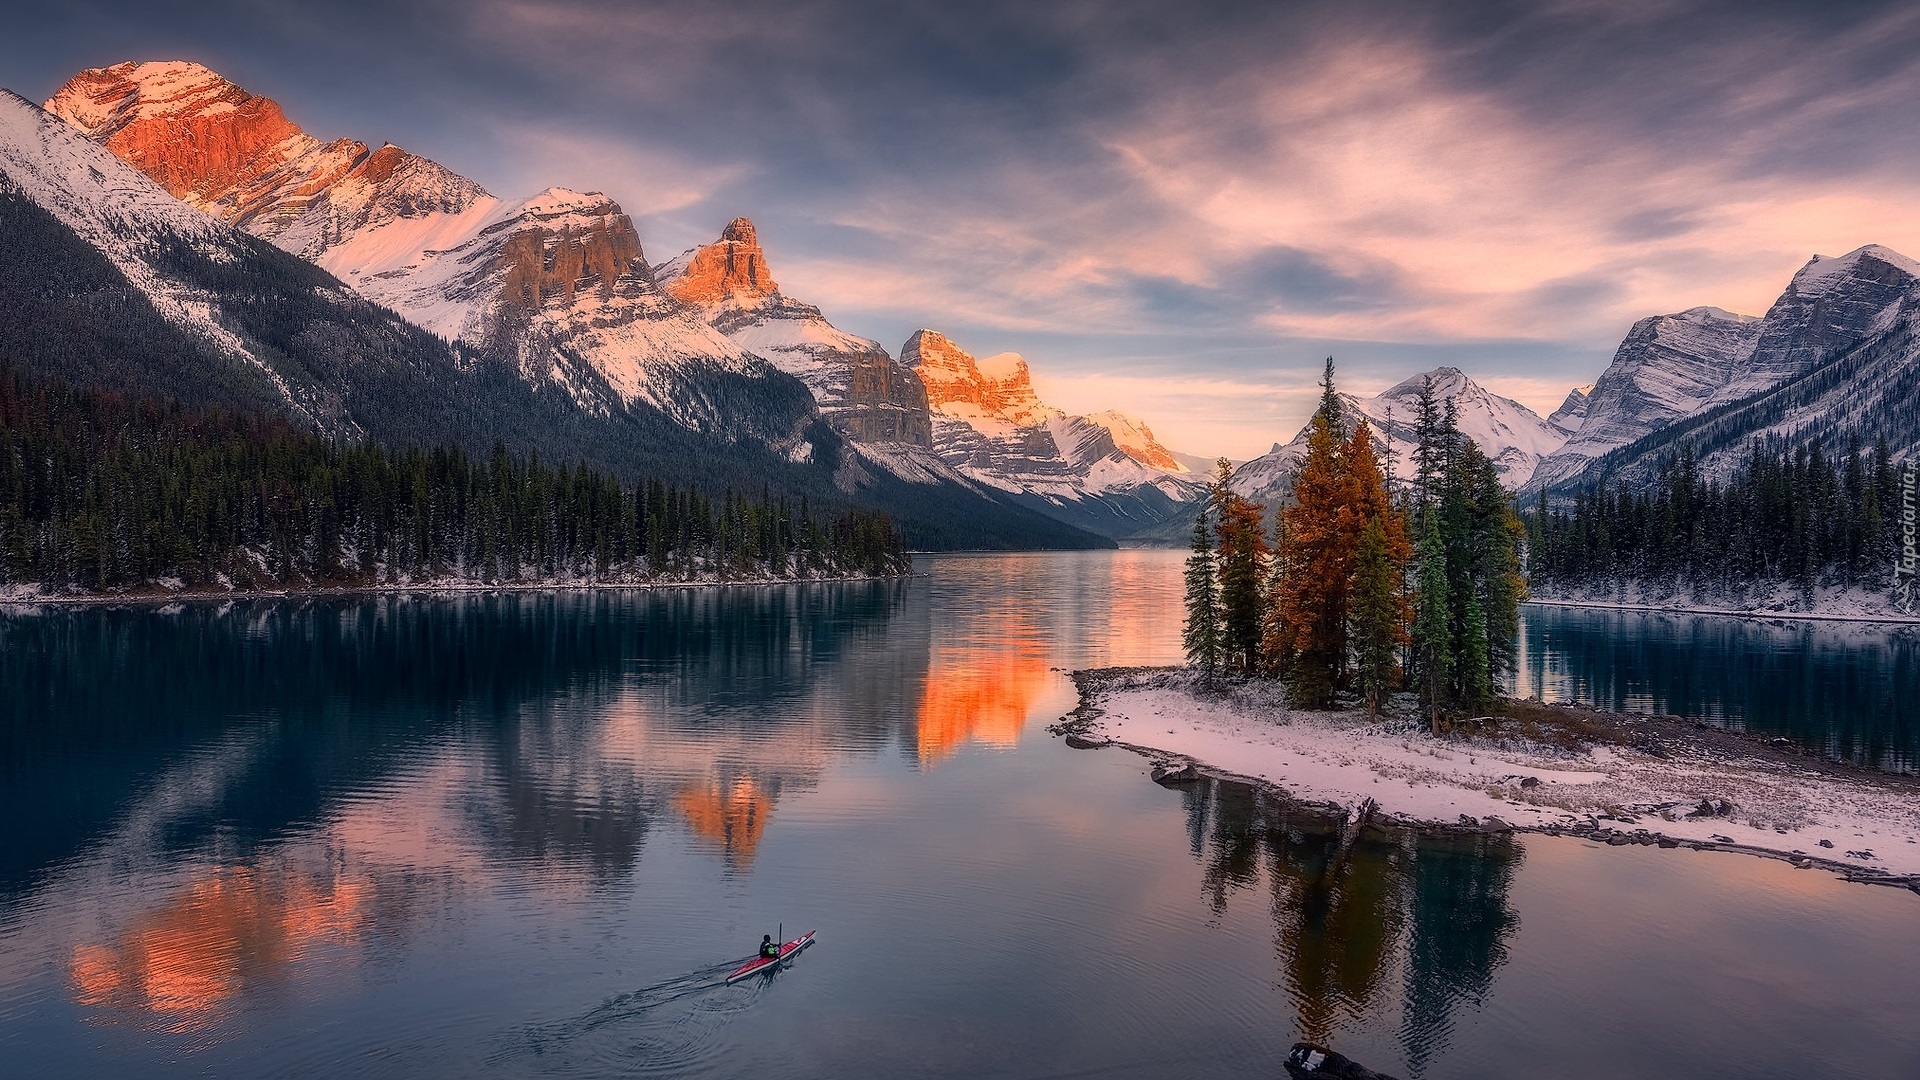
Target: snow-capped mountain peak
column 730, row 271
column 1135, row 439
column 235, row 155
column 859, row 388
column 989, row 423
column 1513, row 436
column 1672, row 367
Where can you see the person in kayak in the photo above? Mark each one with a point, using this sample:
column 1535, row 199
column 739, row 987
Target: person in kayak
column 767, row 947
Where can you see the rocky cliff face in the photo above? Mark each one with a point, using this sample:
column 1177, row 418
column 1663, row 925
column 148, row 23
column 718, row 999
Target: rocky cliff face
column 1671, row 368
column 236, row 155
column 860, row 389
column 989, row 423
column 1834, row 359
column 1831, row 305
column 999, row 387
column 1135, row 439
column 1572, row 412
column 557, row 283
column 731, row 270
column 1668, row 367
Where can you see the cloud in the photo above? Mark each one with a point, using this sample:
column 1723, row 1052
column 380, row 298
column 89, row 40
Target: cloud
column 1183, row 206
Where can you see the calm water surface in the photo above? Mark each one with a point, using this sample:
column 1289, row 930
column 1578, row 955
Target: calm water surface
column 527, row 835
column 1851, row 690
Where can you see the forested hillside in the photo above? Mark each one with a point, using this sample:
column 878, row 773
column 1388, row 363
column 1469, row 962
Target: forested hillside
column 105, row 491
column 1793, row 515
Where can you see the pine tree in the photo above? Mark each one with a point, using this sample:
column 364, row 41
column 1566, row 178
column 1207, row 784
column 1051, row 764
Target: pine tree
column 1432, row 638
column 1378, row 617
column 1202, row 635
column 1243, row 559
column 1476, row 687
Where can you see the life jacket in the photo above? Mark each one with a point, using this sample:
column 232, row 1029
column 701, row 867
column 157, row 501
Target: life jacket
column 769, row 948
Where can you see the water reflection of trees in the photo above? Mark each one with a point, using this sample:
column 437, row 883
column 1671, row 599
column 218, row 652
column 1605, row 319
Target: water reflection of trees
column 109, row 718
column 1428, row 909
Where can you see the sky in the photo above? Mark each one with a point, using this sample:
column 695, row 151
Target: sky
column 1173, row 209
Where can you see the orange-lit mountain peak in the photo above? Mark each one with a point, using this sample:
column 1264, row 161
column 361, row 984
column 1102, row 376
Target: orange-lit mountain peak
column 731, row 269
column 997, row 387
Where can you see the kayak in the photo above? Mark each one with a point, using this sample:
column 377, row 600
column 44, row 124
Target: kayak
column 767, row 963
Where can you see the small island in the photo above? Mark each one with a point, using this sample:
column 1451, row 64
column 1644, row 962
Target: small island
column 1337, row 661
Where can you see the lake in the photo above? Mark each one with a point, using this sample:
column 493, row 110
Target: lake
column 1850, row 690
column 527, row 834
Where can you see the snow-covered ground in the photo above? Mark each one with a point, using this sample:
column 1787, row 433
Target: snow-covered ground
column 1769, row 803
column 1775, row 601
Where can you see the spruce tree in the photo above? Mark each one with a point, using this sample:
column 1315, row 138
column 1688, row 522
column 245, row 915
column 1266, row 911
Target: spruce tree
column 1476, row 684
column 1432, row 637
column 1202, row 634
column 1243, row 558
column 1378, row 620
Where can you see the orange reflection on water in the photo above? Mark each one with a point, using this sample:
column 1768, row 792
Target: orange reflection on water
column 734, row 816
column 978, row 694
column 182, row 961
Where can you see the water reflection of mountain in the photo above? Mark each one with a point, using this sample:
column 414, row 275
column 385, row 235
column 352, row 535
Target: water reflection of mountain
column 229, row 927
column 1426, row 910
column 167, row 727
column 1846, row 689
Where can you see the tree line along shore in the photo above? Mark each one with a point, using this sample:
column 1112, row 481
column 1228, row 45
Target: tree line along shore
column 105, row 493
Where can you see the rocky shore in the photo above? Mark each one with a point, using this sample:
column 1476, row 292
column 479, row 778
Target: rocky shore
column 1613, row 778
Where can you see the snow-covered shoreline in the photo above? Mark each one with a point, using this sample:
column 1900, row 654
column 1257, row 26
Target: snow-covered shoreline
column 1829, row 605
column 1636, row 780
column 31, row 596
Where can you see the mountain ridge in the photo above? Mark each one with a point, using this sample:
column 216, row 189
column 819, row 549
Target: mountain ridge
column 113, row 282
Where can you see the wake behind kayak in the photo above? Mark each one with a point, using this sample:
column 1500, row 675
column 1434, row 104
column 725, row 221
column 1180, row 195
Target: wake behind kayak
column 768, row 963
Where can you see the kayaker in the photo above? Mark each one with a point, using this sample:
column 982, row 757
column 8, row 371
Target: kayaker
column 767, row 947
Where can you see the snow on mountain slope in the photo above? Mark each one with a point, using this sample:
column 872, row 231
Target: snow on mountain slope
column 1868, row 394
column 122, row 214
column 236, row 155
column 555, row 282
column 1668, row 367
column 1572, row 412
column 989, row 423
column 1135, row 439
column 1509, row 433
column 860, row 389
column 1671, row 368
column 1830, row 305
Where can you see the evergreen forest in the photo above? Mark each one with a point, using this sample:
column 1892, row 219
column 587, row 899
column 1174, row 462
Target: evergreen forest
column 1792, row 515
column 104, row 492
column 1366, row 587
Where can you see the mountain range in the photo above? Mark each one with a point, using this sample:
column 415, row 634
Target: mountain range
column 557, row 289
column 188, row 239
column 1833, row 359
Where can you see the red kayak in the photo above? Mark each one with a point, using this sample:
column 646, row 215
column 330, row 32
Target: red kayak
column 767, row 963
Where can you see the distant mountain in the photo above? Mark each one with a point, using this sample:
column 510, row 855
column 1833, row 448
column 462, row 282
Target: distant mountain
column 1512, row 435
column 1135, row 439
column 1572, row 413
column 1718, row 380
column 1865, row 392
column 990, row 425
column 860, row 389
column 111, row 281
